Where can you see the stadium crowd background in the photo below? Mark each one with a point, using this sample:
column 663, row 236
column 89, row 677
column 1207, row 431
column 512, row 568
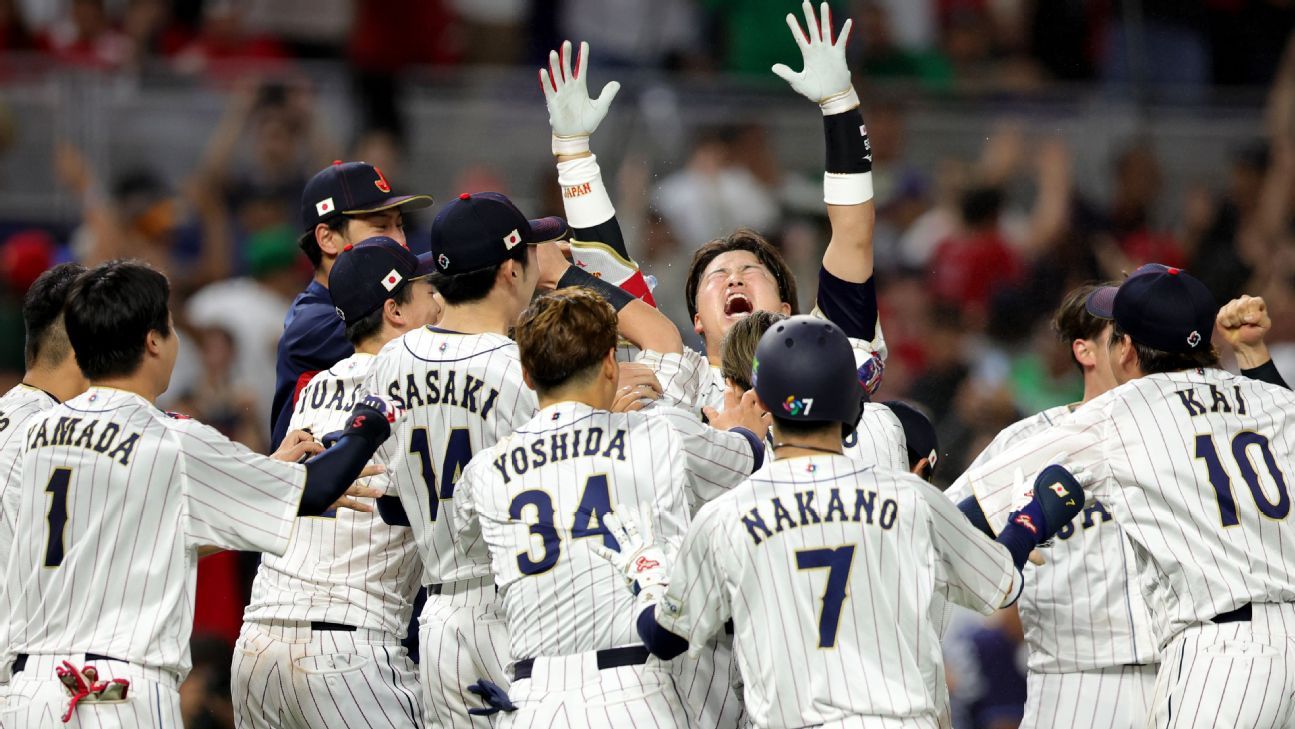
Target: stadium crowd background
column 1021, row 147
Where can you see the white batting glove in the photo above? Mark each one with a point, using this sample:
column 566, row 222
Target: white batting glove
column 573, row 115
column 825, row 79
column 640, row 560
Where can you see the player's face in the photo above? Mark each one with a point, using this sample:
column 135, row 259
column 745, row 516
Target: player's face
column 423, row 307
column 731, row 287
column 386, row 222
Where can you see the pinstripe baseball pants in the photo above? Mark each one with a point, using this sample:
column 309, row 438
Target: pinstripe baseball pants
column 462, row 637
column 1109, row 698
column 571, row 692
column 36, row 699
column 1239, row 674
column 287, row 676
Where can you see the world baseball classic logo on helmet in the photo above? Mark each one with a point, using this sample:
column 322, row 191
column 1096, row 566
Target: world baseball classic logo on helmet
column 795, row 406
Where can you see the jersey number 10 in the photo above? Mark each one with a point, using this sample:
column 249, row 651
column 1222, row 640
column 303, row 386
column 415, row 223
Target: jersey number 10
column 1222, row 483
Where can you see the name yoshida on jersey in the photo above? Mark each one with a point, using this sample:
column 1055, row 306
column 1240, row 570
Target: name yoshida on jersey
column 1195, row 467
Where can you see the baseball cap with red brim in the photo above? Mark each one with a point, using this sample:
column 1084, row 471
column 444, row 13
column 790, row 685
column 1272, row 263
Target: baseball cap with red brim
column 351, row 188
column 1161, row 307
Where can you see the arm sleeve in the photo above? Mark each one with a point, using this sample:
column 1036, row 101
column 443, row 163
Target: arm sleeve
column 1266, row 372
column 714, row 460
column 976, row 571
column 696, row 604
column 597, row 245
column 235, row 498
column 853, row 307
column 681, row 376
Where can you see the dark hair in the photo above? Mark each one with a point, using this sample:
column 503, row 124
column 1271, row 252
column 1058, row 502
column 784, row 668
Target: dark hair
column 742, row 239
column 1072, row 320
column 369, row 325
column 565, row 335
column 42, row 315
column 110, row 311
column 796, row 428
column 1154, row 361
column 465, row 288
column 738, row 349
column 311, row 247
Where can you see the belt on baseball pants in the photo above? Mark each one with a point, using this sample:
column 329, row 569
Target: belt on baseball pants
column 321, row 625
column 1242, row 614
column 634, row 655
column 20, row 661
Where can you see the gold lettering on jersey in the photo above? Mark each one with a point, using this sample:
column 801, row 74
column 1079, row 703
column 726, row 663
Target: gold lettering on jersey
column 79, row 433
column 517, row 461
column 475, row 397
column 866, row 511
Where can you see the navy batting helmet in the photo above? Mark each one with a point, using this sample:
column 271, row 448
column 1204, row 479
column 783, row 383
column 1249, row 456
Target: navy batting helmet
column 804, row 370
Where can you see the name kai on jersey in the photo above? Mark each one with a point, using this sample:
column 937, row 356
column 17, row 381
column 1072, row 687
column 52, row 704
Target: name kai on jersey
column 865, row 510
column 434, row 392
column 92, row 435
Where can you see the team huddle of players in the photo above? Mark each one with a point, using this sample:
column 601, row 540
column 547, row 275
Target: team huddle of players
column 613, row 529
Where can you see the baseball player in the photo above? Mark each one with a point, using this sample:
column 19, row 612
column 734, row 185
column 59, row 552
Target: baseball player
column 577, row 658
column 342, row 204
column 117, row 498
column 334, row 608
column 51, row 377
column 827, row 567
column 461, row 384
column 1192, row 462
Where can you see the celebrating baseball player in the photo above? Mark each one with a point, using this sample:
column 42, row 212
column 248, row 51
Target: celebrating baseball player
column 338, row 602
column 825, row 566
column 539, row 497
column 116, row 499
column 1192, row 462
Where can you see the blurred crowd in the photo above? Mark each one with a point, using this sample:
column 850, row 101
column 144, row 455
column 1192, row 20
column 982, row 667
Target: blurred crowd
column 972, row 252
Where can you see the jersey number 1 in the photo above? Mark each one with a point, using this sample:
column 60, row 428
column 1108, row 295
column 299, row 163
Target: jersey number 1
column 57, row 490
column 458, row 451
column 1222, row 483
column 837, row 562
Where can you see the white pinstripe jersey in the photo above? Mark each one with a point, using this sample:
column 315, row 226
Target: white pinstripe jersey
column 462, row 393
column 538, row 498
column 712, row 387
column 1083, row 610
column 878, row 440
column 827, row 569
column 1196, row 467
column 17, row 409
column 346, row 567
column 116, row 498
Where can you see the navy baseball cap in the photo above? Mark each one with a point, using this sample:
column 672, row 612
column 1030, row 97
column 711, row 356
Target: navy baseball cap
column 479, row 229
column 1159, row 307
column 919, row 434
column 351, row 188
column 370, row 272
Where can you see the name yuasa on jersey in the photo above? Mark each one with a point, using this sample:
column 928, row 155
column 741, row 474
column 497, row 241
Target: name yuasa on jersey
column 116, row 496
column 539, row 497
column 1089, row 584
column 827, row 569
column 462, row 393
column 1195, row 467
column 347, row 567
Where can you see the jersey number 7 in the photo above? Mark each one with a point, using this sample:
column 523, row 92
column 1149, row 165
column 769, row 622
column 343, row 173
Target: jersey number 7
column 1222, row 483
column 837, row 561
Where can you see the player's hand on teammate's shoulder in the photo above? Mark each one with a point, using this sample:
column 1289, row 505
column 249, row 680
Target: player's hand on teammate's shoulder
column 297, row 446
column 740, row 412
column 638, row 386
column 1244, row 321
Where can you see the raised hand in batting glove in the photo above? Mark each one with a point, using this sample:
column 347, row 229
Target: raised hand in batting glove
column 573, row 115
column 639, row 559
column 495, row 697
column 825, row 79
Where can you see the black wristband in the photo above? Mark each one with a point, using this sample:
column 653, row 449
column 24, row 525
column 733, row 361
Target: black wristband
column 618, row 297
column 1266, row 372
column 848, row 148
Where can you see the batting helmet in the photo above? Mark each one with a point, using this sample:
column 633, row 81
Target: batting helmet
column 804, row 370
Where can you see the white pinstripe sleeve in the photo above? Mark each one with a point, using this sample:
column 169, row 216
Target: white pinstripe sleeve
column 696, row 605
column 681, row 376
column 467, row 525
column 977, row 571
column 235, row 498
column 1004, row 483
column 714, row 460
